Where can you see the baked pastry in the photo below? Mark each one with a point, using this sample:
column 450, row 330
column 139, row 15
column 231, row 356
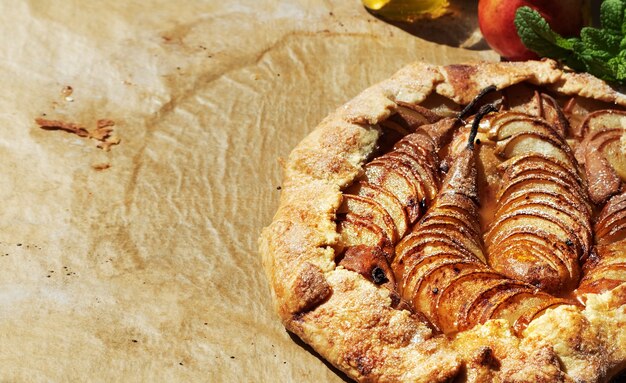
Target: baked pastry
column 460, row 223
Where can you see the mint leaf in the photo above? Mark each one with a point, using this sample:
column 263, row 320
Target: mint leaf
column 595, row 61
column 601, row 40
column 618, row 66
column 612, row 15
column 601, row 52
column 537, row 35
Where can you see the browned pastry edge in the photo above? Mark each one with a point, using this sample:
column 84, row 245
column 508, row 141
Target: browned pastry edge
column 349, row 320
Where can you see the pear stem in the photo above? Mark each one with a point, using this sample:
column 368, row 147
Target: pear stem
column 484, row 110
column 471, row 105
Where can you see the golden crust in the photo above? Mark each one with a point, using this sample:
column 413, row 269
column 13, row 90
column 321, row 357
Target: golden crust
column 350, row 321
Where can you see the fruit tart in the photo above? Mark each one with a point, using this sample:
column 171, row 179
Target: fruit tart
column 462, row 223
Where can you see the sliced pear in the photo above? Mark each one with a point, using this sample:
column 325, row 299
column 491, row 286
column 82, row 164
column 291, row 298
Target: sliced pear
column 420, row 143
column 571, row 192
column 368, row 208
column 602, row 119
column 532, row 313
column 533, row 220
column 531, row 142
column 426, row 178
column 612, row 271
column 521, row 305
column 516, row 165
column 538, row 181
column 414, row 116
column 512, row 126
column 526, row 261
column 481, row 308
column 612, row 227
column 458, row 221
column 468, row 241
column 454, row 302
column 502, row 118
column 572, row 208
column 355, row 231
column 579, row 227
column 429, row 163
column 425, row 297
column 389, row 202
column 559, row 252
column 434, row 242
column 413, row 272
column 553, row 114
column 603, row 180
column 606, row 128
column 384, row 175
column 613, row 150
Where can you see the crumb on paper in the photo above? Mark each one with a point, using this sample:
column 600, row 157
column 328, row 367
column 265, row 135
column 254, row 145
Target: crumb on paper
column 103, row 131
column 67, row 91
column 69, row 127
column 101, row 166
column 110, row 141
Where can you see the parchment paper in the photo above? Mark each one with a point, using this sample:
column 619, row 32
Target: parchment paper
column 140, row 263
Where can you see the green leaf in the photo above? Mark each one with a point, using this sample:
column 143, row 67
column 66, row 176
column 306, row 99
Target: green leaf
column 601, row 40
column 618, row 66
column 596, row 62
column 537, row 35
column 612, row 15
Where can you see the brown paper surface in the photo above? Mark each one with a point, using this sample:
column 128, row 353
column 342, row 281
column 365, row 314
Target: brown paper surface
column 140, row 263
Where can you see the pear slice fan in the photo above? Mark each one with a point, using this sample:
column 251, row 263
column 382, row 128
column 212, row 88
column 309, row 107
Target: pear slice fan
column 460, row 224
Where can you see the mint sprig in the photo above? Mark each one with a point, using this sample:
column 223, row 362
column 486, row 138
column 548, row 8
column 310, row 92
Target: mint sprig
column 599, row 51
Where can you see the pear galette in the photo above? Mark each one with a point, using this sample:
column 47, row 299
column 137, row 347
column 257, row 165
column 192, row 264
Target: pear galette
column 460, row 223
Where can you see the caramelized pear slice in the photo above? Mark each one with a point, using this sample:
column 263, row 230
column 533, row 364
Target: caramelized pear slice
column 538, row 181
column 454, row 301
column 566, row 206
column 426, row 294
column 567, row 218
column 610, row 223
column 606, row 267
column 603, row 119
column 612, row 271
column 420, row 143
column 367, row 208
column 355, row 230
column 520, row 306
column 415, row 270
column 553, row 114
column 414, row 116
column 603, row 180
column 533, row 220
column 513, row 126
column 389, row 202
column 457, row 221
column 482, row 307
column 426, row 179
column 537, row 161
column 560, row 253
column 394, row 180
column 525, row 258
column 531, row 142
column 605, row 129
column 420, row 244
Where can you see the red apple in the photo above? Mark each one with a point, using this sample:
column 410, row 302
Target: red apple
column 495, row 18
